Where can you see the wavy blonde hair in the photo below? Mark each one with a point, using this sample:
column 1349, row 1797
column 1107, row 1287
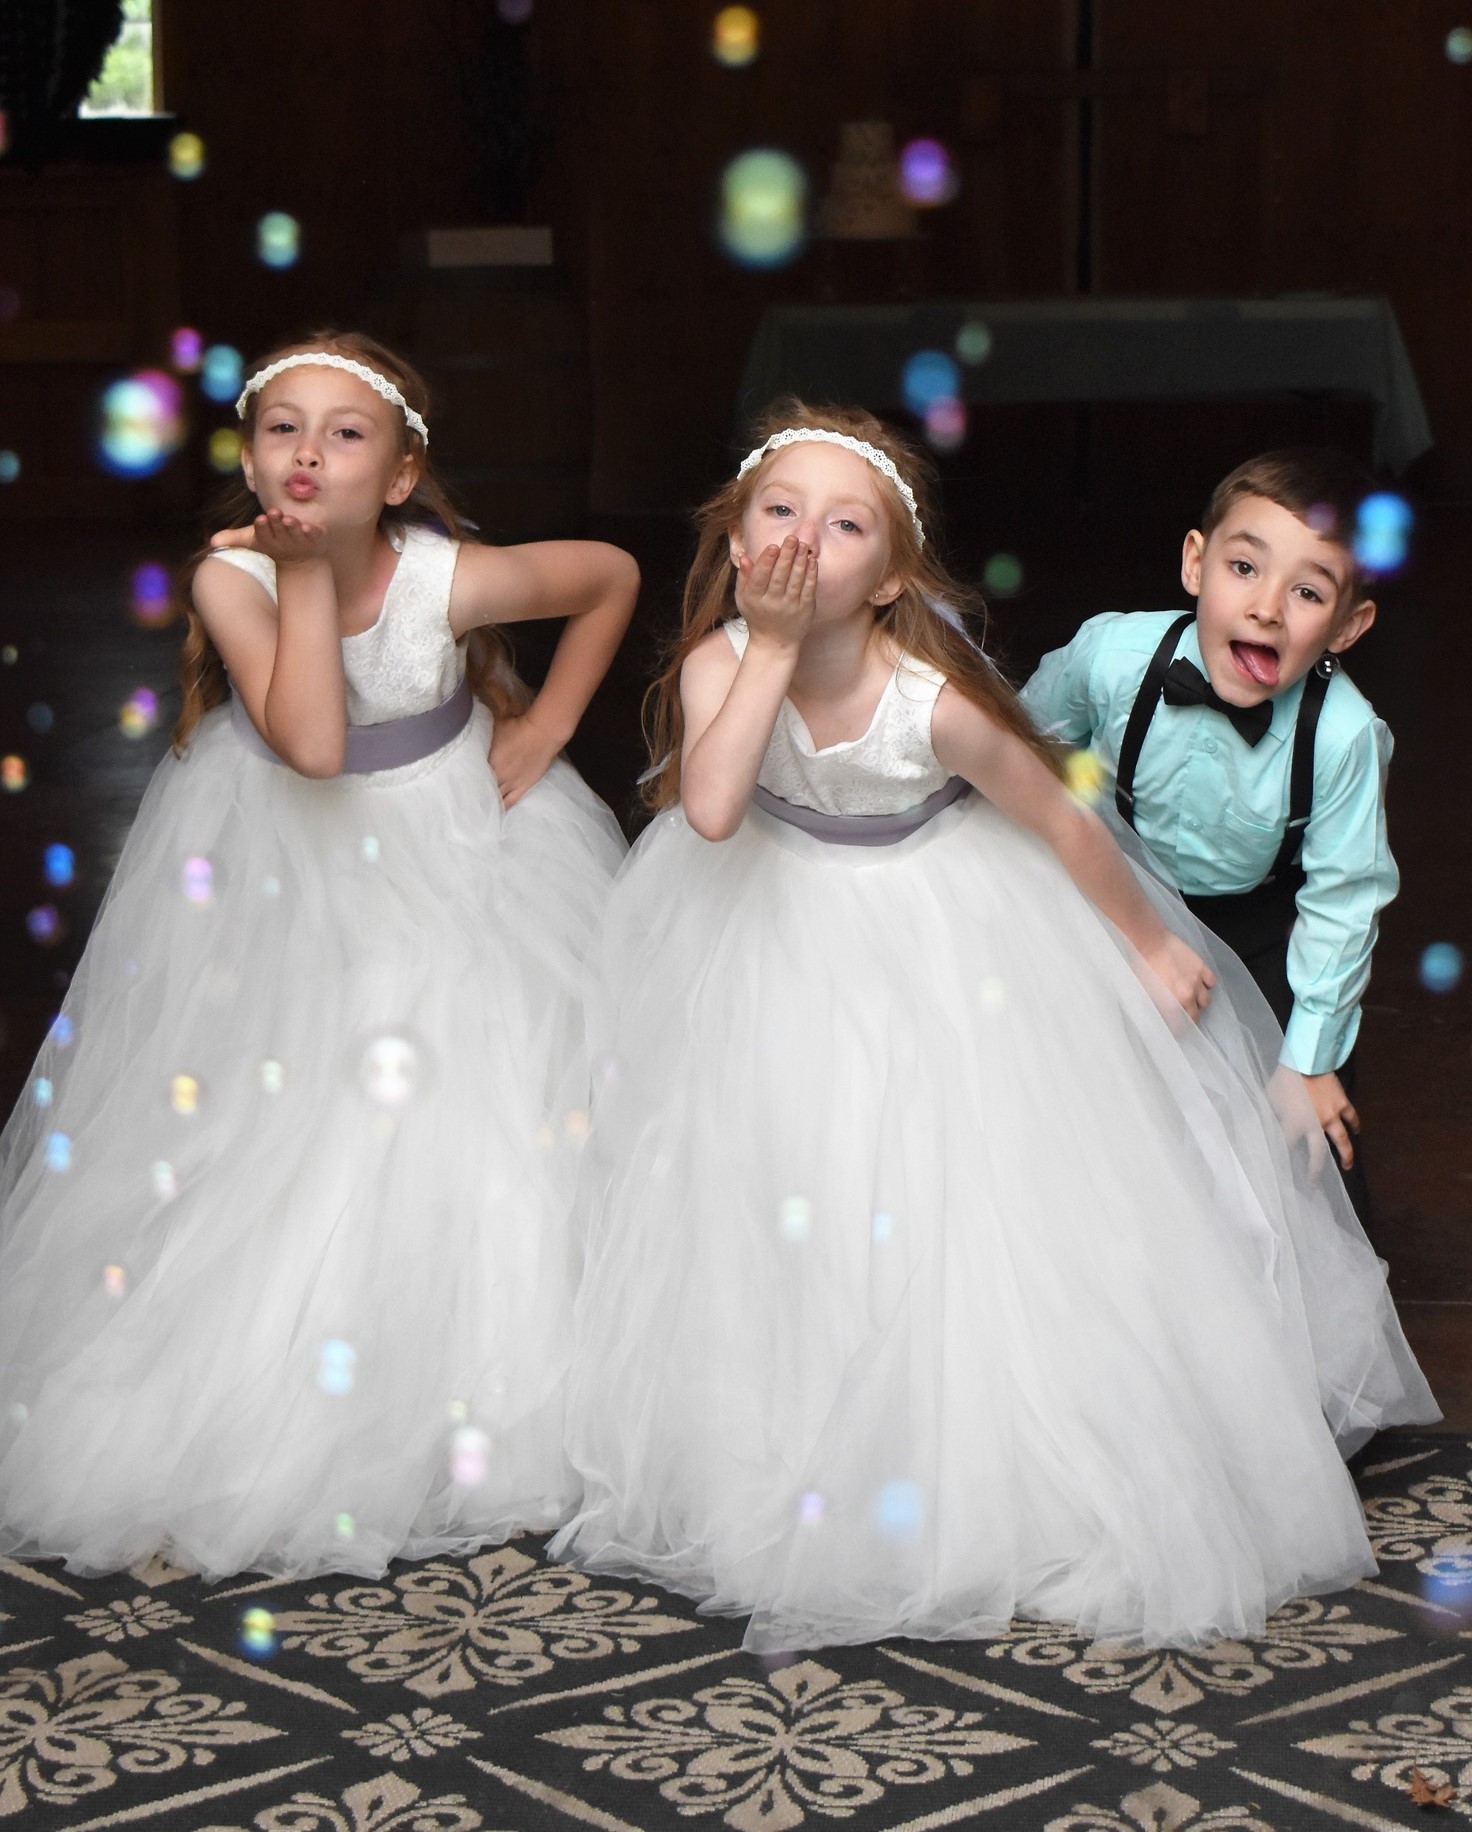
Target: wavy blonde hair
column 934, row 618
column 488, row 665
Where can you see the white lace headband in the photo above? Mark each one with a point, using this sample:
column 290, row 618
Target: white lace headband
column 325, row 359
column 819, row 435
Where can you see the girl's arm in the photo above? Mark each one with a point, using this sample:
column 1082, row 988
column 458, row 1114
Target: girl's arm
column 284, row 660
column 730, row 707
column 594, row 586
column 1015, row 780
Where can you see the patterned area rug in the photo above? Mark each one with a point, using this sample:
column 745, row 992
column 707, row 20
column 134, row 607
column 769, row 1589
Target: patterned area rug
column 504, row 1694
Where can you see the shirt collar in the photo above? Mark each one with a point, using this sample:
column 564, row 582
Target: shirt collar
column 1285, row 705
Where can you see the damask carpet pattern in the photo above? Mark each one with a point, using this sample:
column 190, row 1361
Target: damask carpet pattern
column 505, row 1694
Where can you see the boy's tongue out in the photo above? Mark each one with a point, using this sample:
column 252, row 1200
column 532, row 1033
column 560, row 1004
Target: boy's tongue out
column 1257, row 661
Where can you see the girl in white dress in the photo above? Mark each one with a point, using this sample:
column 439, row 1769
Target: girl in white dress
column 285, row 1261
column 950, row 1259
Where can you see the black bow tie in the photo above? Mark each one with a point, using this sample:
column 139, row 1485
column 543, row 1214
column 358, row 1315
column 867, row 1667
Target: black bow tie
column 1186, row 685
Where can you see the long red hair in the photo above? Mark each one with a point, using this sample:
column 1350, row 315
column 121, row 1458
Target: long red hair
column 488, row 664
column 934, row 618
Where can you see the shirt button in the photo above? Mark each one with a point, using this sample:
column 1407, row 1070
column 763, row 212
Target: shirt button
column 1211, row 744
column 1193, row 824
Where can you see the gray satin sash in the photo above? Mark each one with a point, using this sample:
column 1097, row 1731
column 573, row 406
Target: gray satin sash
column 862, row 829
column 388, row 746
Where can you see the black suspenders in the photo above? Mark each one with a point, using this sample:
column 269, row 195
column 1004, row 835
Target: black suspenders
column 1300, row 770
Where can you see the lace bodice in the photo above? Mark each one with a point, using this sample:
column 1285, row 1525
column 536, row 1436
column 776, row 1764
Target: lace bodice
column 409, row 660
column 890, row 768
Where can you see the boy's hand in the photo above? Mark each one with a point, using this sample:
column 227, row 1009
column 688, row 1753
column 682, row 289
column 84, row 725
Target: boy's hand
column 1335, row 1113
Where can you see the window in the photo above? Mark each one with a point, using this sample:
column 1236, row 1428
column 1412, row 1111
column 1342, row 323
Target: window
column 124, row 85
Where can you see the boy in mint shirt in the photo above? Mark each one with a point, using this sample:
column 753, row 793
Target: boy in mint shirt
column 1245, row 758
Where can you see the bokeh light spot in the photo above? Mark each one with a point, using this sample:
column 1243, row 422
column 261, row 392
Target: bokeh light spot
column 882, row 1228
column 62, row 1030
column 899, row 1510
column 186, row 350
column 58, row 864
column 337, row 1367
column 42, row 1091
column 40, row 717
column 469, row 1454
column 139, row 713
column 165, row 1183
column 369, row 849
column 273, row 1076
column 1382, row 532
column 58, row 1152
column 764, row 198
column 44, row 925
column 186, row 156
column 141, row 424
column 736, row 37
column 1441, row 967
column 224, row 450
column 1083, row 776
column 927, row 176
column 221, row 373
column 258, row 1633
column 1002, row 575
column 973, row 342
column 796, row 1215
column 115, row 1281
column 184, row 1095
column 15, row 773
column 810, row 1509
column 389, row 1070
column 929, row 376
column 150, row 595
column 9, row 466
column 198, row 881
column 945, row 423
column 1459, row 44
column 278, row 239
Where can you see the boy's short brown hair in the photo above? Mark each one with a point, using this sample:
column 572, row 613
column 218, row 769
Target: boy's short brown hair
column 1322, row 487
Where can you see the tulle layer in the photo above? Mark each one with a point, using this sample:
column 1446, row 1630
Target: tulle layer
column 938, row 1276
column 286, row 1265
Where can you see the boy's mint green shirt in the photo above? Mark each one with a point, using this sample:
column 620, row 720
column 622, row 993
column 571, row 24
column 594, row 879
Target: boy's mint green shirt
column 1211, row 808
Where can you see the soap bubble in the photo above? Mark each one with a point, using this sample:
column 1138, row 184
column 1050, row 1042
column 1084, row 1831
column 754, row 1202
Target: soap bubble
column 139, row 714
column 882, row 1227
column 224, row 450
column 9, row 466
column 390, row 1067
column 58, row 1152
column 222, row 373
column 165, row 1183
column 141, row 424
column 198, row 880
column 763, row 219
column 1459, row 44
column 186, row 156
column 369, row 849
column 273, row 1076
column 797, row 1217
column 945, row 423
column 469, row 1450
column 44, row 925
column 41, row 1091
column 927, row 176
column 258, row 1633
column 1382, row 532
column 278, row 239
column 186, row 349
column 59, row 864
column 115, row 1281
column 62, row 1030
column 973, row 342
column 810, row 1509
column 150, row 595
column 736, row 37
column 899, row 1510
column 1002, row 575
column 335, row 1367
column 1441, row 967
column 929, row 375
column 10, row 655
column 1084, row 776
column 184, row 1095
column 15, row 773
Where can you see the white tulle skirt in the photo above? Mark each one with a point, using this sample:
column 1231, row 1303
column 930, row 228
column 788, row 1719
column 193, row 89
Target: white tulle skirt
column 286, row 1264
column 937, row 1276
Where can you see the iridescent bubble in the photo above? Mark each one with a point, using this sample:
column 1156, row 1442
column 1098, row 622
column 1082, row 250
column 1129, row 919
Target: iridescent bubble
column 945, row 423
column 469, row 1452
column 224, row 450
column 44, row 926
column 139, row 714
column 973, row 342
column 9, row 466
column 927, row 176
column 810, row 1509
column 198, row 879
column 344, row 1526
column 58, row 864
column 736, row 37
column 1382, row 532
column 278, row 239
column 150, row 595
column 15, row 773
column 186, row 156
column 1459, row 44
column 40, row 717
column 258, row 1633
column 1084, row 775
column 62, row 1030
column 763, row 216
column 1441, row 967
column 929, row 375
column 899, row 1510
column 369, row 849
column 389, row 1069
column 58, row 1151
column 1002, row 575
column 221, row 373
column 186, row 349
column 184, row 1095
column 41, row 1091
column 796, row 1217
column 882, row 1227
column 273, row 1076
column 114, row 1281
column 141, row 424
column 336, row 1365
column 165, row 1183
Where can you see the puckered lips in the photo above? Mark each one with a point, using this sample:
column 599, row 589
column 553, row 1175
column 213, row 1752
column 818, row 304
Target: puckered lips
column 1257, row 663
column 301, row 486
